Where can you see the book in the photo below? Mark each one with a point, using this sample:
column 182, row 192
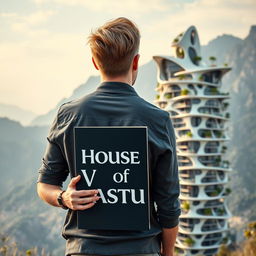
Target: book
column 113, row 160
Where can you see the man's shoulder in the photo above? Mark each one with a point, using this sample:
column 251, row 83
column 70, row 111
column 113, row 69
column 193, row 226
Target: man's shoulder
column 152, row 111
column 71, row 109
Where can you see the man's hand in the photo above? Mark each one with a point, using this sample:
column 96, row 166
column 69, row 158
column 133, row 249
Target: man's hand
column 79, row 199
column 72, row 198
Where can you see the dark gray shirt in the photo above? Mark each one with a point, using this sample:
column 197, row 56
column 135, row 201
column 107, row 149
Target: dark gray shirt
column 116, row 104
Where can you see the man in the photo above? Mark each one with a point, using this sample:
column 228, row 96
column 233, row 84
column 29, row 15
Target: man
column 114, row 47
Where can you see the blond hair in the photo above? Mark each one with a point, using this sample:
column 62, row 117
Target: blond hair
column 114, row 45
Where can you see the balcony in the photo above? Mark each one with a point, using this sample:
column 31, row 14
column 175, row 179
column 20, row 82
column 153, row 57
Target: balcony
column 212, row 239
column 211, row 150
column 220, row 211
column 214, row 203
column 205, row 211
column 190, row 191
column 210, row 225
column 213, row 190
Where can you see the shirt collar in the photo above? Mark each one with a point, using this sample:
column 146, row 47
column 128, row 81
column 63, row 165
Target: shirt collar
column 116, row 87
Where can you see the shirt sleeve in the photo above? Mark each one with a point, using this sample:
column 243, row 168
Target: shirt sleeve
column 54, row 168
column 166, row 181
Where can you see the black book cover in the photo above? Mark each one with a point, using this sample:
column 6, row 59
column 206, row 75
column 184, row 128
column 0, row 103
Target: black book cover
column 114, row 160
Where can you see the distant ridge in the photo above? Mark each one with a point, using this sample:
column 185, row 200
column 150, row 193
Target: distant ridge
column 16, row 113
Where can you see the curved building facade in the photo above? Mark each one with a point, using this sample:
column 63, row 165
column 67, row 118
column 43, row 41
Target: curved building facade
column 189, row 89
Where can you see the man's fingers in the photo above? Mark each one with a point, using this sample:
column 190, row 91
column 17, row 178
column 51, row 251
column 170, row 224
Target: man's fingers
column 82, row 193
column 74, row 180
column 87, row 200
column 84, row 207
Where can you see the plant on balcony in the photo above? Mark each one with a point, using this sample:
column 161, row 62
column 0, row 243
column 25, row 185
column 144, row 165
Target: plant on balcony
column 157, row 96
column 227, row 115
column 189, row 241
column 181, row 77
column 189, row 134
column 168, row 95
column 197, row 58
column 201, row 78
column 207, row 211
column 225, row 163
column 216, row 192
column 218, row 159
column 228, row 191
column 208, row 134
column 225, row 64
column 212, row 59
column 176, row 250
column 176, row 40
column 184, row 92
column 225, row 105
column 224, row 147
column 185, row 206
column 180, row 52
column 214, row 90
column 223, row 151
column 224, row 240
column 218, row 134
column 220, row 211
column 218, row 189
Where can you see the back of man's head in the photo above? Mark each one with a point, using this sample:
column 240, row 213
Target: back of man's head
column 114, row 46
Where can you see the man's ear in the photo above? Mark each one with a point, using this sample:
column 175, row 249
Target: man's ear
column 135, row 63
column 94, row 63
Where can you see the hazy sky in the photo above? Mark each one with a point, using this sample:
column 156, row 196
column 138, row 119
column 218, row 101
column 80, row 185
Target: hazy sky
column 43, row 51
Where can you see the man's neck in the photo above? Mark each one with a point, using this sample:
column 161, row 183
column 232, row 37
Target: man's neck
column 123, row 79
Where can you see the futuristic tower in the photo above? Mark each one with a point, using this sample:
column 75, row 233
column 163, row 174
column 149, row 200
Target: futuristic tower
column 189, row 89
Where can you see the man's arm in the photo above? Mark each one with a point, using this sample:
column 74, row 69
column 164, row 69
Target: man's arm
column 54, row 171
column 72, row 198
column 168, row 240
column 167, row 190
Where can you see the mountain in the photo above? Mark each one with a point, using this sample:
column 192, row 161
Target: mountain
column 21, row 150
column 29, row 221
column 220, row 47
column 16, row 113
column 144, row 86
column 243, row 125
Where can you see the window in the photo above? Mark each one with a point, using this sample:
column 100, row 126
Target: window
column 195, row 121
column 192, row 36
column 196, row 101
column 169, row 68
